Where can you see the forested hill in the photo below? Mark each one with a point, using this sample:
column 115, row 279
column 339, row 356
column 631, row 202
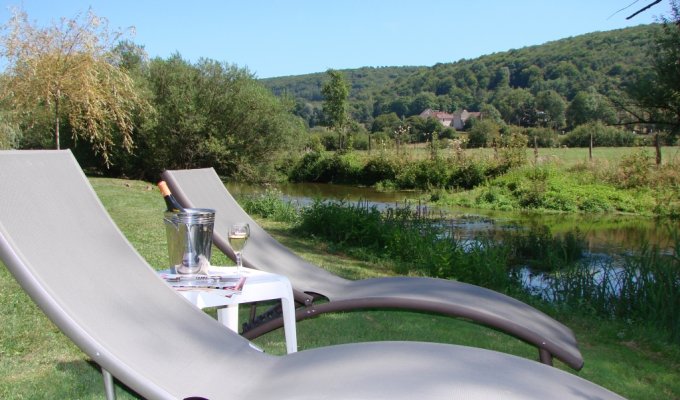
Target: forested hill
column 600, row 61
column 363, row 81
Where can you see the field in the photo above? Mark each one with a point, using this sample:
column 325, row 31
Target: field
column 563, row 156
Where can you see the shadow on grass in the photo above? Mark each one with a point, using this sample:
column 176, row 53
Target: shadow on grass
column 87, row 381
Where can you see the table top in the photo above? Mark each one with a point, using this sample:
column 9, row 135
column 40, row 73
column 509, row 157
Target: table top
column 225, row 286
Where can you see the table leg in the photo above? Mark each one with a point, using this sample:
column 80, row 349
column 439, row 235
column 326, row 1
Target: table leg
column 228, row 316
column 288, row 306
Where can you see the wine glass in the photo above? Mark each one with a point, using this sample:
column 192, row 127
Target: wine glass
column 238, row 236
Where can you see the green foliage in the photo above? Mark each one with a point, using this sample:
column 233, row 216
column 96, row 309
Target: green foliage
column 542, row 137
column 634, row 170
column 386, row 123
column 589, row 107
column 381, row 168
column 483, row 133
column 327, row 168
column 513, row 150
column 530, row 86
column 214, row 114
column 655, row 92
column 468, row 175
column 420, row 243
column 549, row 189
column 551, row 108
column 602, row 136
column 270, row 205
column 424, row 174
column 10, row 135
column 67, row 71
column 335, row 105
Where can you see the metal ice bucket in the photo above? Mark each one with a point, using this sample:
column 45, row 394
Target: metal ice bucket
column 189, row 234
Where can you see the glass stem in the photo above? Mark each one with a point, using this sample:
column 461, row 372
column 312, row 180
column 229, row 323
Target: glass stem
column 238, row 261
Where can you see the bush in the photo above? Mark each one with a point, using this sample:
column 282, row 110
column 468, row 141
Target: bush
column 379, row 169
column 468, row 176
column 270, row 205
column 544, row 137
column 634, row 170
column 424, row 174
column 603, row 136
column 483, row 133
column 324, row 168
column 309, row 168
column 342, row 168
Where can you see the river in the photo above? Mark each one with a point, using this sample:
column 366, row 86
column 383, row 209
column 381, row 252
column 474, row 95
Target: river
column 604, row 234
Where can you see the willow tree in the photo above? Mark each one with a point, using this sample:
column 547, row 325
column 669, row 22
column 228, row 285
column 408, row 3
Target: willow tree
column 68, row 70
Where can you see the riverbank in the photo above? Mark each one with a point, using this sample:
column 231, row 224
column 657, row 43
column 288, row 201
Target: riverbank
column 615, row 180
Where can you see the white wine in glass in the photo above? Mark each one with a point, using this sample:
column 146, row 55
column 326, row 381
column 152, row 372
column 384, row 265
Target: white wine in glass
column 238, row 237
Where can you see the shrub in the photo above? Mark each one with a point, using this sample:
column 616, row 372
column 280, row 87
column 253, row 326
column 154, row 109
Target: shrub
column 424, row 174
column 342, row 168
column 544, row 137
column 468, row 176
column 379, row 169
column 270, row 205
column 603, row 136
column 309, row 168
column 321, row 167
column 634, row 170
column 483, row 133
column 513, row 151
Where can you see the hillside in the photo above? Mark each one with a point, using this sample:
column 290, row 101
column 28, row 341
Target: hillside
column 600, row 62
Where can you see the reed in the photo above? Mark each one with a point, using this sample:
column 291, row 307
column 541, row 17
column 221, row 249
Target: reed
column 638, row 287
column 642, row 287
column 416, row 241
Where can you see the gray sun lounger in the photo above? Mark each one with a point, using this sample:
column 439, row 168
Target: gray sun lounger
column 65, row 251
column 203, row 188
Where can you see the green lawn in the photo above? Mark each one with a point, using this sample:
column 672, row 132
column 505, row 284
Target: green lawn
column 38, row 362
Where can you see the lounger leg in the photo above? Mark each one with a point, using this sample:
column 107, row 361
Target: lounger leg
column 109, row 388
column 545, row 356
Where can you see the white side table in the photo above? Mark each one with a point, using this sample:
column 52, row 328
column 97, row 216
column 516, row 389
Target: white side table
column 258, row 286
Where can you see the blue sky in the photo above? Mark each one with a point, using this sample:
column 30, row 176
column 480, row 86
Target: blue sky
column 293, row 37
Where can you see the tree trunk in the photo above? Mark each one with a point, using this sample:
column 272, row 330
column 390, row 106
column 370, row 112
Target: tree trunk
column 590, row 148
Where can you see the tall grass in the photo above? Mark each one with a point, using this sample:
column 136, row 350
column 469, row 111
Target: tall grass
column 643, row 287
column 418, row 243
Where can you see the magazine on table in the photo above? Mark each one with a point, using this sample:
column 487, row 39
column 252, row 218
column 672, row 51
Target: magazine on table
column 225, row 285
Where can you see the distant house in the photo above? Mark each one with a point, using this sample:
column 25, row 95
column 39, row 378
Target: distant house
column 444, row 118
column 456, row 120
column 461, row 117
